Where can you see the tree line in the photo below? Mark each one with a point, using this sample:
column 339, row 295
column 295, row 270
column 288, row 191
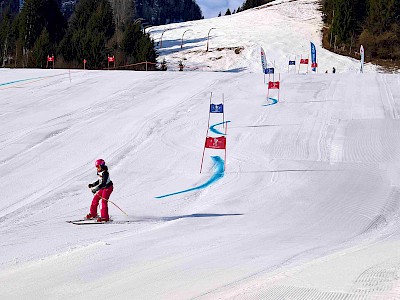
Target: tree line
column 159, row 12
column 246, row 5
column 254, row 3
column 373, row 23
column 92, row 33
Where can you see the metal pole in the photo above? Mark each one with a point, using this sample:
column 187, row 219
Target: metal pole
column 226, row 130
column 279, row 86
column 113, row 203
column 301, row 57
column 161, row 37
column 223, row 114
column 183, row 35
column 208, row 37
column 208, row 127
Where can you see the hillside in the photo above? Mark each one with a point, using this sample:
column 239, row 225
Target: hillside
column 283, row 28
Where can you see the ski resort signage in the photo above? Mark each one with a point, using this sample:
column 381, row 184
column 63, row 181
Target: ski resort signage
column 362, row 59
column 274, row 85
column 110, row 59
column 51, row 60
column 314, row 64
column 263, row 60
column 303, row 61
column 216, row 142
column 292, row 65
column 217, row 108
column 269, row 71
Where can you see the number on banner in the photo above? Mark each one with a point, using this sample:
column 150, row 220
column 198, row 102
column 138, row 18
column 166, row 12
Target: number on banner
column 216, row 142
column 217, row 108
column 273, row 85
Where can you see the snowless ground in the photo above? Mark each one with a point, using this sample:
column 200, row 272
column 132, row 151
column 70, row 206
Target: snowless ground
column 307, row 208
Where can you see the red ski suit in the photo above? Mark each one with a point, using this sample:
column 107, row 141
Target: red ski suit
column 102, row 190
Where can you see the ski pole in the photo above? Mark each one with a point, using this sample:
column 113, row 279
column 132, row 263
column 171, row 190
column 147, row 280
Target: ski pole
column 112, row 203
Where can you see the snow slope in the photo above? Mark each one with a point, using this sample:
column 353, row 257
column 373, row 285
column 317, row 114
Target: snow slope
column 310, row 182
column 283, row 28
column 306, row 209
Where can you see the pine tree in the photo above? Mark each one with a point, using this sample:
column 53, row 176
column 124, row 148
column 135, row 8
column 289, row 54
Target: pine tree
column 157, row 12
column 5, row 36
column 228, row 12
column 137, row 46
column 36, row 16
column 92, row 26
column 254, row 3
column 382, row 13
column 123, row 10
column 41, row 49
column 373, row 23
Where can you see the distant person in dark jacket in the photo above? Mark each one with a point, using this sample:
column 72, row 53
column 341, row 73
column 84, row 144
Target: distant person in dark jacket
column 102, row 189
column 333, row 70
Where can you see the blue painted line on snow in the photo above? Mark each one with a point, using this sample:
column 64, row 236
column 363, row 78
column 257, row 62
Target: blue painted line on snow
column 217, row 131
column 218, row 174
column 274, row 101
column 21, row 80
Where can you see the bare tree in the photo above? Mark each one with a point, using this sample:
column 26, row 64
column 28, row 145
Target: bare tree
column 123, row 10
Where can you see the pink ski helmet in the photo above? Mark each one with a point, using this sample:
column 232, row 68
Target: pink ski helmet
column 100, row 162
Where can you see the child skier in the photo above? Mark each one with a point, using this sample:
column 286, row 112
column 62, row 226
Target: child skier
column 102, row 189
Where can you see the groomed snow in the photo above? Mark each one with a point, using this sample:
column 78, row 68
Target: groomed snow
column 308, row 207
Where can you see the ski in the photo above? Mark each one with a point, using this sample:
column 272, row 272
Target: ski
column 88, row 222
column 72, row 221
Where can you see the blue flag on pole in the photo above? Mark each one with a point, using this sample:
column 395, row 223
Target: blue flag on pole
column 292, row 62
column 269, row 71
column 217, row 108
column 313, row 56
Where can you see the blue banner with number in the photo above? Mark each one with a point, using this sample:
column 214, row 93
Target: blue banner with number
column 269, row 71
column 217, row 108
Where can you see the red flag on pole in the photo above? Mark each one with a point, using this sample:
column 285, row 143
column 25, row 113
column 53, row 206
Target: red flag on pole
column 50, row 58
column 314, row 65
column 111, row 59
column 273, row 85
column 216, row 143
column 304, row 61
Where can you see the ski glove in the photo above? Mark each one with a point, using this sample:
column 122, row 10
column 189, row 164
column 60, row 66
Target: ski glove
column 90, row 185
